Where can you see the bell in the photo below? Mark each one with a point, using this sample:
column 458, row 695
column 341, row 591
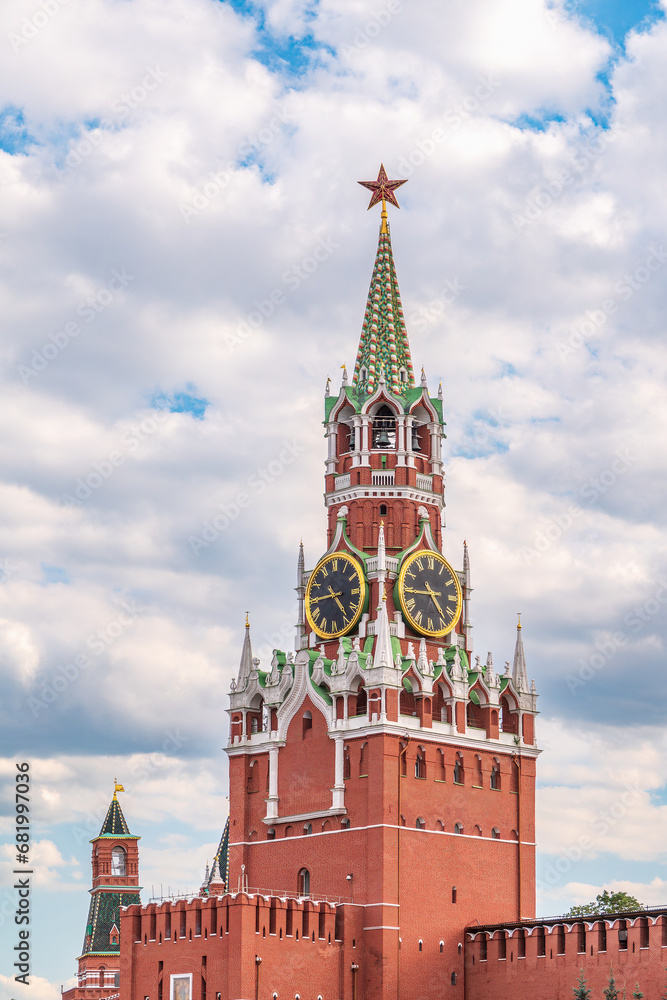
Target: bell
column 415, row 440
column 382, row 438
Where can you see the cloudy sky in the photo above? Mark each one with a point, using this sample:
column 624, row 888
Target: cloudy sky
column 186, row 256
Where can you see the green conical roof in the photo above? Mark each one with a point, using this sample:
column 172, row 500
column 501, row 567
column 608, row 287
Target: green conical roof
column 220, row 864
column 384, row 338
column 114, row 823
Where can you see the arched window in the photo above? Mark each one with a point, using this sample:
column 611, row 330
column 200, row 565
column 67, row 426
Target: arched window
column 495, row 774
column 304, row 882
column 459, row 773
column 421, row 823
column 289, row 831
column 403, row 374
column 420, row 763
column 363, row 760
column 440, row 826
column 477, row 830
column 383, row 510
column 441, row 765
column 453, row 894
column 254, row 724
column 458, row 828
column 495, row 833
column 453, row 979
column 509, row 721
column 479, row 779
column 384, row 428
column 307, row 724
column 308, row 829
column 421, row 944
column 118, row 861
column 347, row 766
column 102, row 971
column 345, row 823
column 362, row 701
column 271, row 833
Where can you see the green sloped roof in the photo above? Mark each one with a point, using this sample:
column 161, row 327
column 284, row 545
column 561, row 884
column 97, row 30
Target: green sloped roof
column 114, row 822
column 103, row 913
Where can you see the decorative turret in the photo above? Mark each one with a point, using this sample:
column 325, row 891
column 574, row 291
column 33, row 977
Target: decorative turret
column 115, row 858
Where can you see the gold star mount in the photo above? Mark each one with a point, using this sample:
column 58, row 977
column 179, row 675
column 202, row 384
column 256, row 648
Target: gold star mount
column 383, row 189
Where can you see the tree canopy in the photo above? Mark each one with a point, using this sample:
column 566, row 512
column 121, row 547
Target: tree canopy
column 606, row 902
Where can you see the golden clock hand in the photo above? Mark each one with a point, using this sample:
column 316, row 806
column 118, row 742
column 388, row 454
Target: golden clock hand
column 325, row 597
column 411, row 590
column 432, row 594
column 335, row 597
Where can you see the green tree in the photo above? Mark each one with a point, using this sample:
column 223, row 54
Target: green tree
column 611, row 993
column 580, row 990
column 606, row 902
column 637, row 993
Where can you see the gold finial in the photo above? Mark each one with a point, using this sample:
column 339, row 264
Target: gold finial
column 519, row 617
column 247, row 623
column 117, row 788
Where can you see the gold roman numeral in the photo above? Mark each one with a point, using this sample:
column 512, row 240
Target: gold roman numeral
column 431, row 562
column 418, row 618
column 410, row 604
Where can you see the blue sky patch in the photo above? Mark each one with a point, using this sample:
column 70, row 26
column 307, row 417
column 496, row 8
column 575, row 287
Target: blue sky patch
column 281, row 53
column 14, row 136
column 181, row 402
column 615, row 18
column 55, row 574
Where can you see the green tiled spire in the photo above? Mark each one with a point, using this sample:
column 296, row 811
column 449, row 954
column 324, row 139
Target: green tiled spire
column 384, row 343
column 220, row 866
column 114, row 823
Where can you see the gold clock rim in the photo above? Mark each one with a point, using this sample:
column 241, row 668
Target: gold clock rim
column 459, row 592
column 364, row 587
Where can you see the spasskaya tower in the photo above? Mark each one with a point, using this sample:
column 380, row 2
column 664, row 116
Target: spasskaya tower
column 376, row 766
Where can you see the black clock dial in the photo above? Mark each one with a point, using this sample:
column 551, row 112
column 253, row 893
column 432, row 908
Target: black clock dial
column 429, row 593
column 335, row 596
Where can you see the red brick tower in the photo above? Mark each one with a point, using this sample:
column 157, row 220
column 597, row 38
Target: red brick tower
column 115, row 861
column 377, row 767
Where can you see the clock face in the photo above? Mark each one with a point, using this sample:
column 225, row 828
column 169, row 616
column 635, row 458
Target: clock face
column 336, row 595
column 430, row 593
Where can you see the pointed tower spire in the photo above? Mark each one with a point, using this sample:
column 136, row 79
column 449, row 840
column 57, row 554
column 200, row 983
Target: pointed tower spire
column 114, row 824
column 519, row 673
column 245, row 666
column 384, row 337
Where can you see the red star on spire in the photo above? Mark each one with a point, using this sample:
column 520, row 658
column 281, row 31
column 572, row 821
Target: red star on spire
column 383, row 189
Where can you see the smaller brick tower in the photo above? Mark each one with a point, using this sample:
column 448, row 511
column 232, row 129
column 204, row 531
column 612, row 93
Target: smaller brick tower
column 115, row 860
